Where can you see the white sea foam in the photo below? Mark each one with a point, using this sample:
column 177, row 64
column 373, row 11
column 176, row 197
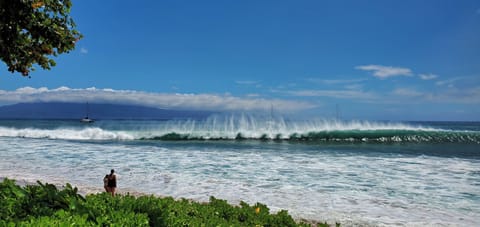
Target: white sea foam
column 312, row 182
column 213, row 128
column 256, row 127
column 92, row 133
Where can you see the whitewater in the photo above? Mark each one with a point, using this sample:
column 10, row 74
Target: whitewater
column 353, row 172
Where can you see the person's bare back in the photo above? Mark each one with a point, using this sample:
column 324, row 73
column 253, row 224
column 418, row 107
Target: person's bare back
column 112, row 182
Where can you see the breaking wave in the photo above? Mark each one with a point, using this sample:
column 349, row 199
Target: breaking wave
column 65, row 134
column 343, row 136
column 253, row 128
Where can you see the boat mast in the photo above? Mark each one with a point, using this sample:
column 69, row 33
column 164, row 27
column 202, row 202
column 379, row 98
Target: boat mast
column 87, row 109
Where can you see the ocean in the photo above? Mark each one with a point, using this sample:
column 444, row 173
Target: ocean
column 352, row 172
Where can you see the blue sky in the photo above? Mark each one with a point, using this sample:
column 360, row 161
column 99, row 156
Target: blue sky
column 376, row 60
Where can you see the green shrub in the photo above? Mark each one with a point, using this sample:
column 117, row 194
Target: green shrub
column 12, row 199
column 45, row 205
column 59, row 218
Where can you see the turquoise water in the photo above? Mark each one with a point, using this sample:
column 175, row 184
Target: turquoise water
column 378, row 173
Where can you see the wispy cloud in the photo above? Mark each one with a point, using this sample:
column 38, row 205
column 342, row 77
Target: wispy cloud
column 450, row 81
column 427, row 76
column 354, row 86
column 453, row 95
column 384, row 72
column 214, row 102
column 83, row 50
column 407, row 92
column 449, row 95
column 333, row 82
column 343, row 94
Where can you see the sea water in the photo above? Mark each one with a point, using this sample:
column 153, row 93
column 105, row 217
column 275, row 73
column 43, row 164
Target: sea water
column 352, row 172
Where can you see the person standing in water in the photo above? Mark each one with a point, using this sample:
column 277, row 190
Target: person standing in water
column 112, row 182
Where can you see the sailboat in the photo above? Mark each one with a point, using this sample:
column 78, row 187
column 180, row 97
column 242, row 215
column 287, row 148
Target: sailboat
column 86, row 119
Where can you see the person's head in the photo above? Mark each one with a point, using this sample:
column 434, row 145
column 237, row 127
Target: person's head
column 112, row 171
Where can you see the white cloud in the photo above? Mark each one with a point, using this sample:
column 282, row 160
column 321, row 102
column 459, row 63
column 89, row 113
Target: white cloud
column 443, row 82
column 427, row 76
column 27, row 90
column 450, row 81
column 383, row 72
column 344, row 94
column 62, row 88
column 400, row 95
column 83, row 50
column 212, row 102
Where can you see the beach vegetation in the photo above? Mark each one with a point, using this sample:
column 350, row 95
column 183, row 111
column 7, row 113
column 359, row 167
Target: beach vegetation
column 46, row 205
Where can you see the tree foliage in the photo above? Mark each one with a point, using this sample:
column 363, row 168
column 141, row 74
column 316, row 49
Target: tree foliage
column 34, row 31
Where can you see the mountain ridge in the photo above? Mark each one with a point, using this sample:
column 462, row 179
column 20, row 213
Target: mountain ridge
column 67, row 110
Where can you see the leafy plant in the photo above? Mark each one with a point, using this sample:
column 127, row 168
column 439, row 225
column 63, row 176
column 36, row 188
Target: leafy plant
column 46, row 205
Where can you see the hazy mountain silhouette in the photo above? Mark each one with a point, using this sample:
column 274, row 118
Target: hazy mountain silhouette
column 58, row 110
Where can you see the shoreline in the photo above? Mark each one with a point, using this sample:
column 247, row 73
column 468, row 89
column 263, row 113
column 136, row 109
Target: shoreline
column 84, row 191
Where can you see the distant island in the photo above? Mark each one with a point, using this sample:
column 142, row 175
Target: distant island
column 61, row 110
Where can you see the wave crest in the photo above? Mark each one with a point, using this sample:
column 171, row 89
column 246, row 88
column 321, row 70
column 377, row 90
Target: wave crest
column 252, row 128
column 93, row 133
column 378, row 136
